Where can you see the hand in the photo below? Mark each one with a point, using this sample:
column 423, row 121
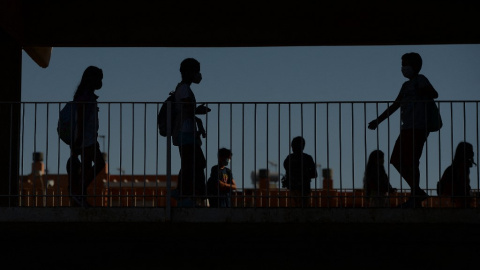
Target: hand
column 373, row 124
column 202, row 109
column 201, row 129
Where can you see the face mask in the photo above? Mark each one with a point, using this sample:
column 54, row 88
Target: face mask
column 407, row 71
column 225, row 162
column 197, row 78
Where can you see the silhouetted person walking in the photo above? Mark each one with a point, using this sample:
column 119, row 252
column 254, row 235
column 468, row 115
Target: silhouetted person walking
column 187, row 131
column 408, row 147
column 85, row 145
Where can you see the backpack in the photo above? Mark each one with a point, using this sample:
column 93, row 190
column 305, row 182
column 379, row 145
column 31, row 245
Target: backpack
column 162, row 115
column 66, row 122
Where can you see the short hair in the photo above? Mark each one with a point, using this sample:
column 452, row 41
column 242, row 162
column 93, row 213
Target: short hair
column 189, row 65
column 298, row 144
column 414, row 59
column 224, row 152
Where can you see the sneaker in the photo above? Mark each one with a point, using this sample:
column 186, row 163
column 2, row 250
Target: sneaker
column 414, row 201
column 78, row 201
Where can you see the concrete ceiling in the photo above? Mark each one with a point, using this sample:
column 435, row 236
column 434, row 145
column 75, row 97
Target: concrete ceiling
column 177, row 23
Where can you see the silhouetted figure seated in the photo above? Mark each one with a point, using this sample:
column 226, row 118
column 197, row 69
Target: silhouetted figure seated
column 376, row 182
column 299, row 168
column 455, row 181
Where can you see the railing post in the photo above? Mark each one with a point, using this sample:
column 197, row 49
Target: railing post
column 168, row 206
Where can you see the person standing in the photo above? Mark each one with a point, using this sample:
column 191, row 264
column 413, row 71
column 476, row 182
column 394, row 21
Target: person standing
column 186, row 135
column 409, row 145
column 82, row 171
column 299, row 168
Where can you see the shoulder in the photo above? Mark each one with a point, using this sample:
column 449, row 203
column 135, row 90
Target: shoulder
column 183, row 91
column 422, row 80
column 86, row 96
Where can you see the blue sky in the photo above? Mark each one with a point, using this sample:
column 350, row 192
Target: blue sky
column 265, row 74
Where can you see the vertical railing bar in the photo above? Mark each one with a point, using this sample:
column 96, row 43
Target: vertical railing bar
column 58, row 159
column 218, row 144
column 451, row 137
column 289, row 148
column 315, row 150
column 464, row 152
column 121, row 150
column 46, row 153
column 353, row 152
column 255, row 154
column 439, row 150
column 365, row 149
column 302, row 194
column 133, row 149
column 328, row 154
column 108, row 154
column 477, row 142
column 340, row 148
column 243, row 154
column 231, row 148
column 156, row 197
column 266, row 156
column 168, row 206
column 278, row 145
column 22, row 154
column 144, row 151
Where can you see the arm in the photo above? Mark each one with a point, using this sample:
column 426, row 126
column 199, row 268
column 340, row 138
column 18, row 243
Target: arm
column 226, row 187
column 389, row 111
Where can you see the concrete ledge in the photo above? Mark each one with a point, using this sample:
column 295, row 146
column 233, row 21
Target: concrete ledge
column 242, row 215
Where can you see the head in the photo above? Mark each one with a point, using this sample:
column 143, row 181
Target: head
column 298, row 144
column 411, row 64
column 464, row 153
column 224, row 156
column 91, row 80
column 190, row 70
column 376, row 157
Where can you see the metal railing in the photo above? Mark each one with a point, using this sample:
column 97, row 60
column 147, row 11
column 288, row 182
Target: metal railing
column 142, row 167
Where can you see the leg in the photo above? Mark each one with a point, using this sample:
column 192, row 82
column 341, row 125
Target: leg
column 74, row 179
column 92, row 164
column 406, row 159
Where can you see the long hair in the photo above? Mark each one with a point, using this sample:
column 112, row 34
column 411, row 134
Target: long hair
column 464, row 154
column 373, row 170
column 91, row 80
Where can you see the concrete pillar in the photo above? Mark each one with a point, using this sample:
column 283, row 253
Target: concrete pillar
column 10, row 97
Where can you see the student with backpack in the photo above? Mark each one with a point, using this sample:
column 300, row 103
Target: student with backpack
column 186, row 135
column 86, row 160
column 416, row 93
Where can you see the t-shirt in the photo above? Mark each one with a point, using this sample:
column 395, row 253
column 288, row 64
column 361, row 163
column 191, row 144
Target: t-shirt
column 300, row 169
column 185, row 126
column 412, row 112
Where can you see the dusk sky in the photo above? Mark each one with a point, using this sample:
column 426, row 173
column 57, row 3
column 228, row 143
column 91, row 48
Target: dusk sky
column 264, row 74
